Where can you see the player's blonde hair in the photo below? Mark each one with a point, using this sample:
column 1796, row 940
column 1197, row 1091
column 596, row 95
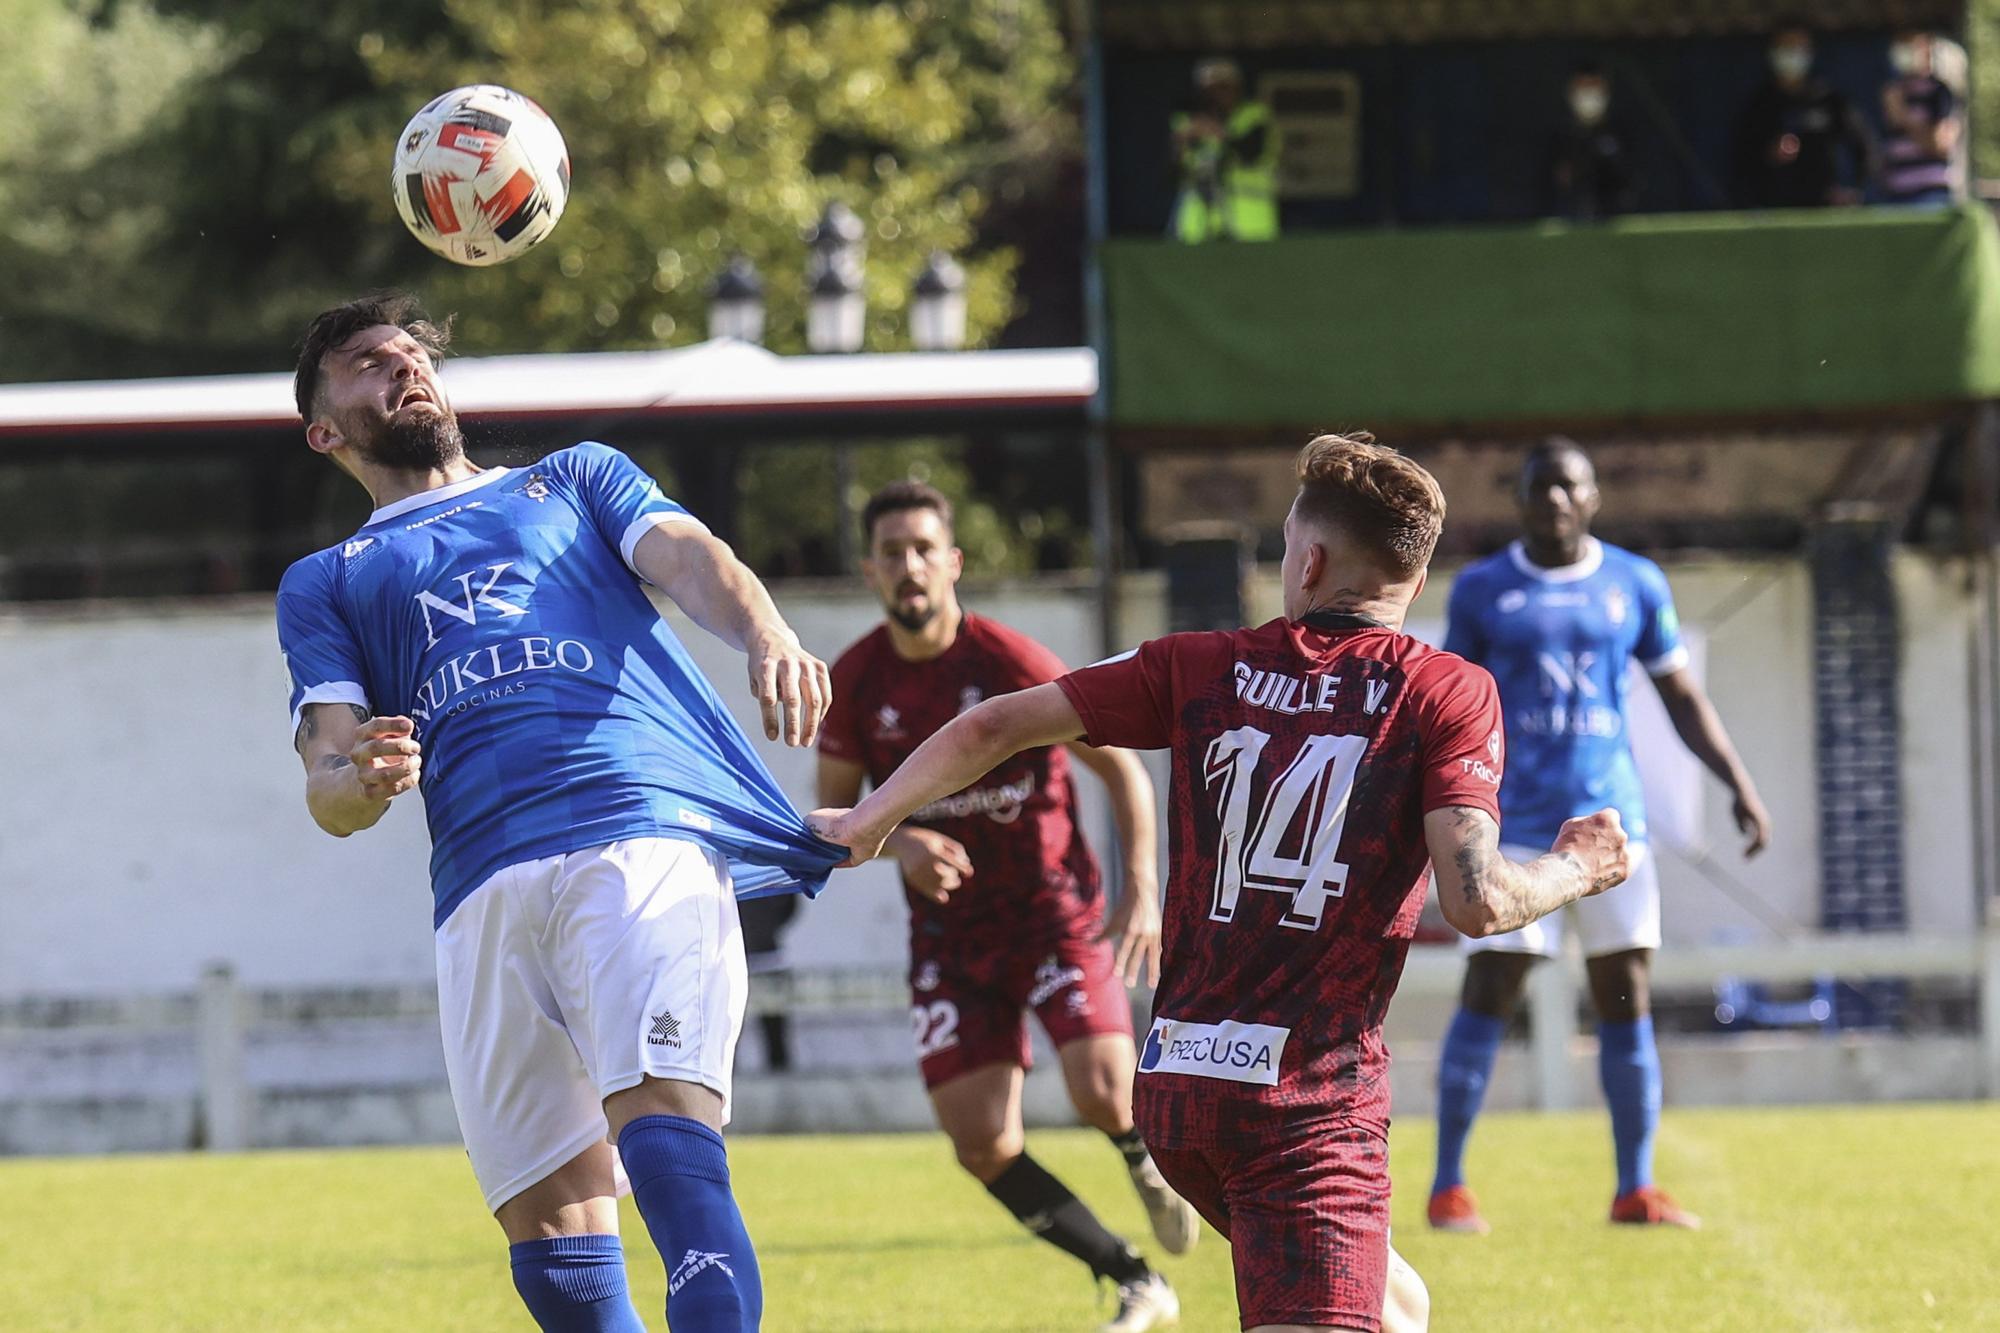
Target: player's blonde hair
column 1384, row 502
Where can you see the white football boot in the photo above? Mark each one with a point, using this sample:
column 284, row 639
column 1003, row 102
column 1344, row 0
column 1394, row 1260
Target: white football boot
column 1176, row 1225
column 1145, row 1304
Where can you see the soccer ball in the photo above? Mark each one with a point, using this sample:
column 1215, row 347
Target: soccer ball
column 481, row 175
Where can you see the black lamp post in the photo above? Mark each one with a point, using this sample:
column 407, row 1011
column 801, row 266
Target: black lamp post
column 937, row 305
column 836, row 308
column 736, row 302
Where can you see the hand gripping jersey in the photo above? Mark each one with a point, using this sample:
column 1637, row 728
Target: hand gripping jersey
column 1560, row 642
column 556, row 709
column 1034, row 880
column 1305, row 756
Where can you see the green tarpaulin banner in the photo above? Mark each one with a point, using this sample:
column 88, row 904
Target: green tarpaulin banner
column 1696, row 315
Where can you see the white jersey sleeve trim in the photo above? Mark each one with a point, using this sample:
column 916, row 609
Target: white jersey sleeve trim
column 332, row 692
column 644, row 524
column 1667, row 663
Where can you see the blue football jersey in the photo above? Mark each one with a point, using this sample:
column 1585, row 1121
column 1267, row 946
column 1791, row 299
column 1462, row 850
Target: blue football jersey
column 557, row 710
column 1559, row 643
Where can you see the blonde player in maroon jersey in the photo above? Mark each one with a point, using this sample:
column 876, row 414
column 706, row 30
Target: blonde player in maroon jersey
column 1006, row 912
column 1319, row 762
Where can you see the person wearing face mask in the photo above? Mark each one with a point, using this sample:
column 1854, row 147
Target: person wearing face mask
column 1589, row 176
column 1925, row 125
column 1797, row 136
column 1226, row 156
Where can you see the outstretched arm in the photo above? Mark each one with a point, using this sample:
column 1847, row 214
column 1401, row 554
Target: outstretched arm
column 1483, row 893
column 933, row 864
column 719, row 593
column 355, row 764
column 951, row 760
column 1701, row 730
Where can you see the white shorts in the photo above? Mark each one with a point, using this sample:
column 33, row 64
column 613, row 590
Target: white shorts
column 1627, row 917
column 564, row 980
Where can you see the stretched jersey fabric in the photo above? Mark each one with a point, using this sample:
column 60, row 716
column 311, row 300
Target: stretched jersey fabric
column 1305, row 756
column 1560, row 643
column 1034, row 880
column 556, row 708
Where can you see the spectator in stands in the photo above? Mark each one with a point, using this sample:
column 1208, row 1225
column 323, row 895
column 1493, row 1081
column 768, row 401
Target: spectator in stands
column 1925, row 124
column 1227, row 157
column 1589, row 175
column 1799, row 142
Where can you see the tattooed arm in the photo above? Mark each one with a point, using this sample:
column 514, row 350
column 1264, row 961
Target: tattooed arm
column 1483, row 893
column 355, row 764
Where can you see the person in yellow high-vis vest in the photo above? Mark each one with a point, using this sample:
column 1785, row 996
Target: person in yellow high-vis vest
column 1227, row 155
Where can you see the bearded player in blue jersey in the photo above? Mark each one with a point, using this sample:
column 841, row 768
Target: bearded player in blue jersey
column 594, row 811
column 1558, row 618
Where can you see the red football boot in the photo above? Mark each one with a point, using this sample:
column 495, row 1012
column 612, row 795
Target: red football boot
column 1454, row 1209
column 1651, row 1206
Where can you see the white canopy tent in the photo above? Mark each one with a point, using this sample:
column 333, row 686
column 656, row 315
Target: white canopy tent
column 709, row 379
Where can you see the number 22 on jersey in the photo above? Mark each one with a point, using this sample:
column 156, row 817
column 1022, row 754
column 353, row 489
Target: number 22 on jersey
column 1291, row 843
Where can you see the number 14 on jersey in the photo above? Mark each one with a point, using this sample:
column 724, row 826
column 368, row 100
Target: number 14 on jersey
column 1291, row 843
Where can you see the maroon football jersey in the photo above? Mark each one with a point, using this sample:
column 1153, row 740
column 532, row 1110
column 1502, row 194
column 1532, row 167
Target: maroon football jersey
column 1033, row 880
column 1305, row 756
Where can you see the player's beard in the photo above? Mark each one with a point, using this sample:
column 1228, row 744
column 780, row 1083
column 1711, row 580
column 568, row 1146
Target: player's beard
column 913, row 618
column 418, row 441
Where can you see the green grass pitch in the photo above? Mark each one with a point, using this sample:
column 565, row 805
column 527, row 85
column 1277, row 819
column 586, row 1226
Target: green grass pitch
column 1818, row 1220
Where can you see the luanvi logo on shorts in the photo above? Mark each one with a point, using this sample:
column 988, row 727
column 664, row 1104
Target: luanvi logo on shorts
column 693, row 1264
column 1239, row 1052
column 666, row 1031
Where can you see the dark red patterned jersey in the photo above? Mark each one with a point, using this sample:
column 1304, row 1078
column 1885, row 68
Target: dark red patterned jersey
column 1305, row 756
column 1033, row 880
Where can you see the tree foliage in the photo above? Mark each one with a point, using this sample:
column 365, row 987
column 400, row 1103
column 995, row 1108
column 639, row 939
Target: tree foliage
column 242, row 181
column 76, row 207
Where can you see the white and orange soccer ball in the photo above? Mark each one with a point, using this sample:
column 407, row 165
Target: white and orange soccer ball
column 481, row 174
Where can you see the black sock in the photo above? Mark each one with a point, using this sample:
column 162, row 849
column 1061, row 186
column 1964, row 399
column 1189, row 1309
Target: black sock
column 777, row 1042
column 1045, row 1206
column 1130, row 1146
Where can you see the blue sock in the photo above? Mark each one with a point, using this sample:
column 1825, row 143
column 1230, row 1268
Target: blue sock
column 1471, row 1044
column 680, row 1180
column 1628, row 1063
column 575, row 1284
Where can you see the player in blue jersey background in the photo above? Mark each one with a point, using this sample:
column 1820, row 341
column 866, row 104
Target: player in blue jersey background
column 1558, row 618
column 594, row 810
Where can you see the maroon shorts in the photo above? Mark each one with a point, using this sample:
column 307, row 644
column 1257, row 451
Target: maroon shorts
column 1307, row 1220
column 966, row 1013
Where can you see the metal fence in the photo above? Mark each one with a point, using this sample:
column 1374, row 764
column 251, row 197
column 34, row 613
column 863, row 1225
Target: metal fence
column 363, row 1065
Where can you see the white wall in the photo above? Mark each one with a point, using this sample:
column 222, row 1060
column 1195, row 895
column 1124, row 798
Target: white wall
column 151, row 819
column 1939, row 852
column 1752, row 619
